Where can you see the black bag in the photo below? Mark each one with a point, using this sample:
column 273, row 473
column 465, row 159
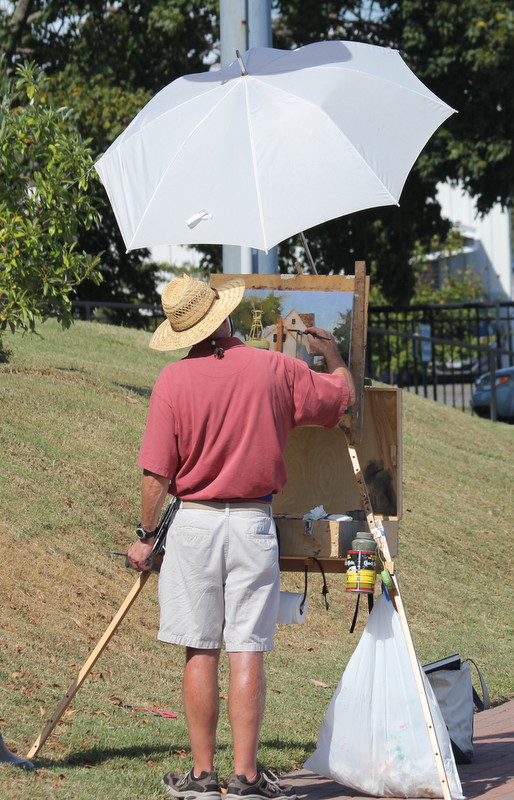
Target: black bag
column 452, row 685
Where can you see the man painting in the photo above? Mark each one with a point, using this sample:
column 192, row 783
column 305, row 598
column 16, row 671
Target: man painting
column 215, row 438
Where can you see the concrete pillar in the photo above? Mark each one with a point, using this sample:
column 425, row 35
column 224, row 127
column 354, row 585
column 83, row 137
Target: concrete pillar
column 260, row 35
column 245, row 24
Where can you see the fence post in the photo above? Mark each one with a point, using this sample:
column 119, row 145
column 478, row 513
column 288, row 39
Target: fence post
column 492, row 372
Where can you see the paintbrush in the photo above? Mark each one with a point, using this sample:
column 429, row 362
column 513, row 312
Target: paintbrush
column 303, row 333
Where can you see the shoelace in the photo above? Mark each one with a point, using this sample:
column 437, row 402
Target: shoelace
column 269, row 774
column 274, row 780
column 271, row 781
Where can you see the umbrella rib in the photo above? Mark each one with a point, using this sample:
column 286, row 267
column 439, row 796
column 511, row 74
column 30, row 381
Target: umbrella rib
column 171, row 110
column 341, row 133
column 176, row 154
column 256, row 177
column 392, row 81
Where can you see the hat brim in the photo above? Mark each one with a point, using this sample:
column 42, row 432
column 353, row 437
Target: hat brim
column 230, row 295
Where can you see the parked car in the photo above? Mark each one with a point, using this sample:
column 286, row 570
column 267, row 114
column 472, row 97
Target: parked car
column 463, row 364
column 459, row 369
column 504, row 384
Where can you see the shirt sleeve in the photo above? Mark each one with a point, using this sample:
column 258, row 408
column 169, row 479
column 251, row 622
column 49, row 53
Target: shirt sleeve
column 159, row 448
column 319, row 399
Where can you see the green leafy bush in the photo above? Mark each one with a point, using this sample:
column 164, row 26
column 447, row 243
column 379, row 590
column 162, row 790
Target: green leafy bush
column 44, row 176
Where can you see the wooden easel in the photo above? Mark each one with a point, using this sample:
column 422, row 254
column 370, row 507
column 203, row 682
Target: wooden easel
column 353, row 436
column 396, row 598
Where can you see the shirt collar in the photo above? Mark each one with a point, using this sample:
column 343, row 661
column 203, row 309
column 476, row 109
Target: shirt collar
column 205, row 348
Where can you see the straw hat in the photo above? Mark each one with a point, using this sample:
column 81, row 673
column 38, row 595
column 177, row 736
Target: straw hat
column 194, row 311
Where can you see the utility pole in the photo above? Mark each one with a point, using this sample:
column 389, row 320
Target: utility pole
column 245, row 24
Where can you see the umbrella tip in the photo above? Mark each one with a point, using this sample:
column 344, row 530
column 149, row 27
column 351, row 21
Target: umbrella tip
column 241, row 63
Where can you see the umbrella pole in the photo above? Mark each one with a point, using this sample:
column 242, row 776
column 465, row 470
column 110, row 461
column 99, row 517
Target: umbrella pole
column 381, row 540
column 308, row 253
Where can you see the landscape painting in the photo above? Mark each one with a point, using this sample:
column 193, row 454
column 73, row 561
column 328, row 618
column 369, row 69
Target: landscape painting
column 276, row 319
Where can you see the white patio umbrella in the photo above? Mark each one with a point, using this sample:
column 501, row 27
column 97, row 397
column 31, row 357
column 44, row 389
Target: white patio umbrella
column 272, row 144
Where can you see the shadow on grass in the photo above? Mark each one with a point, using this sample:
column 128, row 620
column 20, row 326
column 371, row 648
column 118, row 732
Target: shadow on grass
column 288, row 744
column 135, row 389
column 96, row 756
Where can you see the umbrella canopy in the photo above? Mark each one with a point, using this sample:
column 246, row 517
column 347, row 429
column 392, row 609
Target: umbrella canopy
column 272, row 144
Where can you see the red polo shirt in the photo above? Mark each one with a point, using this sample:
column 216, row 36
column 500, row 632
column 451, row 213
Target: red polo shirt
column 218, row 427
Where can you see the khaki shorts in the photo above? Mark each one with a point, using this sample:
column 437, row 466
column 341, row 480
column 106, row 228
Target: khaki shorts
column 220, row 578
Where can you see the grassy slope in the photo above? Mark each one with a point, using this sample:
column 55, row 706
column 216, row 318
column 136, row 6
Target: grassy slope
column 73, row 409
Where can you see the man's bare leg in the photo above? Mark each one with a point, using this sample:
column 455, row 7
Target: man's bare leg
column 201, row 705
column 246, row 700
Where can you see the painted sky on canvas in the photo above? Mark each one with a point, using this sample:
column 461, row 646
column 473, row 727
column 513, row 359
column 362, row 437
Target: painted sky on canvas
column 326, row 306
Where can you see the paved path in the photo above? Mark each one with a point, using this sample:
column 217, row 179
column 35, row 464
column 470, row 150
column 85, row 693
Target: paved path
column 489, row 777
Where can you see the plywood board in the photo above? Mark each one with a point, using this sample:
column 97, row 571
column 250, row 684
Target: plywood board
column 320, row 471
column 298, row 283
column 320, row 538
column 380, row 450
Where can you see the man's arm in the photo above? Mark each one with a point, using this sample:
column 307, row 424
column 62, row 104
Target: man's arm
column 154, row 489
column 322, row 343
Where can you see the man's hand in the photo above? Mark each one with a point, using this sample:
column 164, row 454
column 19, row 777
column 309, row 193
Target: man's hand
column 322, row 343
column 154, row 489
column 140, row 555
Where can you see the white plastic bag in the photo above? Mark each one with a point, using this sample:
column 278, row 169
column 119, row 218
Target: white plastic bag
column 374, row 736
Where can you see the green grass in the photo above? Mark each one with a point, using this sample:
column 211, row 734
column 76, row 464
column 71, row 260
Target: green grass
column 73, row 410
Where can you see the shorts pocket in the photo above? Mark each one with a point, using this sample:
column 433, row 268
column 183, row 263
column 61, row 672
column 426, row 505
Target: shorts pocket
column 194, row 542
column 262, row 532
column 192, row 530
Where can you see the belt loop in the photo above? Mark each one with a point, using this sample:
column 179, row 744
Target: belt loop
column 227, row 509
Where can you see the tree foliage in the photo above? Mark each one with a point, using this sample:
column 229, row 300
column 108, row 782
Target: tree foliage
column 105, row 61
column 271, row 307
column 44, row 204
column 463, row 51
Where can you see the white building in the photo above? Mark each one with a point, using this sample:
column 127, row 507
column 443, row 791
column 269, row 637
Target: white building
column 487, row 240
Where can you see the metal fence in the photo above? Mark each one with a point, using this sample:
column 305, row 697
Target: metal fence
column 98, row 311
column 440, row 351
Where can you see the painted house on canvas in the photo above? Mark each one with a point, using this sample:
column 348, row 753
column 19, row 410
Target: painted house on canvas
column 287, row 335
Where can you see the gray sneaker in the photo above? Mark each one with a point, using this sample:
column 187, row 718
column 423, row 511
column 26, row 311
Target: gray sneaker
column 188, row 787
column 266, row 785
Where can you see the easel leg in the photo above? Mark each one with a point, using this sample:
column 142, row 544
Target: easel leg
column 88, row 666
column 396, row 598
